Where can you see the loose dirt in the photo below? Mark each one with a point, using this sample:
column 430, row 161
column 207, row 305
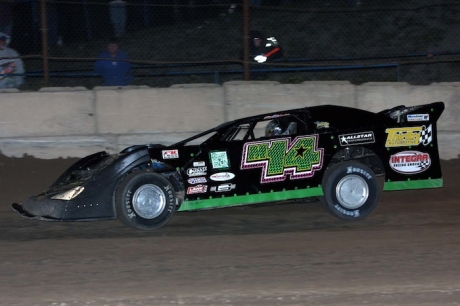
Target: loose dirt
column 407, row 252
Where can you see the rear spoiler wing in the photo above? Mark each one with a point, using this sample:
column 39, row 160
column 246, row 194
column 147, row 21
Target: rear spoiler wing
column 412, row 130
column 402, row 114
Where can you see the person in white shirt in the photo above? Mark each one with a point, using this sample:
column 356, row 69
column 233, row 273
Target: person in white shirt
column 11, row 66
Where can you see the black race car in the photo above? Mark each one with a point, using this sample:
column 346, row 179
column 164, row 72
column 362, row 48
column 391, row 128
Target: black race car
column 332, row 152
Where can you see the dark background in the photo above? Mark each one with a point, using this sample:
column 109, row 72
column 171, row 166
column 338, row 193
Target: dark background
column 185, row 41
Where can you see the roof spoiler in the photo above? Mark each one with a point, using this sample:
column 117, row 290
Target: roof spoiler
column 426, row 112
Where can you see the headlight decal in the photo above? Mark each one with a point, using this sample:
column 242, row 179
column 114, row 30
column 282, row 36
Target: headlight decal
column 69, row 194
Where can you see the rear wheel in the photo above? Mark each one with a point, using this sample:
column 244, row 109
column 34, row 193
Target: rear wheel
column 351, row 191
column 145, row 200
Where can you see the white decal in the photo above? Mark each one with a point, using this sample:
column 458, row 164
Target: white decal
column 200, row 171
column 199, row 164
column 418, row 117
column 356, row 138
column 197, row 180
column 170, row 154
column 223, row 187
column 222, row 176
column 197, row 189
column 410, row 162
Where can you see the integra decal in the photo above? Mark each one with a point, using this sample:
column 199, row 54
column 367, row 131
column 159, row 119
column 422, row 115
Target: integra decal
column 409, row 136
column 299, row 158
column 356, row 138
column 410, row 162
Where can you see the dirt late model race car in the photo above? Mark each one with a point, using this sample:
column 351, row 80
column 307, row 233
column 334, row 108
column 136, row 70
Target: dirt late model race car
column 331, row 152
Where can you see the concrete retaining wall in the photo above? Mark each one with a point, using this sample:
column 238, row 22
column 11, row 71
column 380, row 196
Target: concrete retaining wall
column 74, row 122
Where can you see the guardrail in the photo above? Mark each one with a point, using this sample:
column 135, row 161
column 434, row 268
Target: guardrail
column 278, row 66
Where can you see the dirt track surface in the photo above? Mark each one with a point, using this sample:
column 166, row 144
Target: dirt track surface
column 407, row 252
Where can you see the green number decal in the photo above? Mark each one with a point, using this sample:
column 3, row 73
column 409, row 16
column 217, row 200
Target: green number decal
column 279, row 158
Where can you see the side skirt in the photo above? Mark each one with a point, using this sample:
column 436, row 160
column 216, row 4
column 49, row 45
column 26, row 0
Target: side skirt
column 418, row 184
column 227, row 201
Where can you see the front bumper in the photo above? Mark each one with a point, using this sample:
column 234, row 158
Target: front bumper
column 48, row 210
column 97, row 175
column 17, row 208
column 60, row 210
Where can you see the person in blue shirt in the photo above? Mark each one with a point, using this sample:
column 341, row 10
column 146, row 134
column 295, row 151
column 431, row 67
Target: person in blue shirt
column 113, row 65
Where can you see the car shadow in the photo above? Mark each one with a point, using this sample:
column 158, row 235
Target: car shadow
column 247, row 220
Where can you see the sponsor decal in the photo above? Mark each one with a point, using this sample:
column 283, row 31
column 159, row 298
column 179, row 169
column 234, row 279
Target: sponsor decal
column 279, row 158
column 199, row 164
column 197, row 180
column 199, row 171
column 197, row 189
column 356, row 138
column 418, row 117
column 223, row 187
column 409, row 136
column 275, row 116
column 322, row 125
column 219, row 160
column 170, row 154
column 410, row 162
column 222, row 176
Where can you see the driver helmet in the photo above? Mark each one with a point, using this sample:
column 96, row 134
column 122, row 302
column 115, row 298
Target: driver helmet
column 274, row 128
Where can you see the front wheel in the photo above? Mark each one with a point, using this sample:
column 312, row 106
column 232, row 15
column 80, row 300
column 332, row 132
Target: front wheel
column 145, row 200
column 351, row 190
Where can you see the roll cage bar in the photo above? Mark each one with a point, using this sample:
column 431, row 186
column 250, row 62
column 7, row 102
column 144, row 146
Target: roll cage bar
column 229, row 130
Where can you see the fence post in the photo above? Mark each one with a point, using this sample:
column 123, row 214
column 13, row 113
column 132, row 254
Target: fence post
column 89, row 32
column 44, row 30
column 246, row 39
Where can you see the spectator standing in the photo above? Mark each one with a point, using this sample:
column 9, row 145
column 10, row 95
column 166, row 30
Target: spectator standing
column 117, row 10
column 10, row 65
column 113, row 65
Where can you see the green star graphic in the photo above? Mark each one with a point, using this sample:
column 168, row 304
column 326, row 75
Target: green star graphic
column 300, row 152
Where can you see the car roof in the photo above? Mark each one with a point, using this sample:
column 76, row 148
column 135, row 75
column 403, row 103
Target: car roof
column 327, row 111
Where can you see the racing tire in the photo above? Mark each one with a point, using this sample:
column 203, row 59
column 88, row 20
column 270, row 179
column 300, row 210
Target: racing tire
column 145, row 200
column 351, row 191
